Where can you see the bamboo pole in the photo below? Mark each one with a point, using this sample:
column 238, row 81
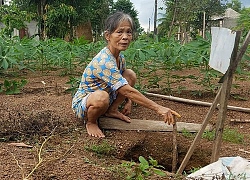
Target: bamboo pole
column 201, row 103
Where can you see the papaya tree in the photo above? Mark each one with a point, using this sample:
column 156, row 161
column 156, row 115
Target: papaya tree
column 65, row 17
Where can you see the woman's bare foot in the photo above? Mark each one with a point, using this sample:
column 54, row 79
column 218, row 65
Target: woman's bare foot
column 94, row 130
column 117, row 114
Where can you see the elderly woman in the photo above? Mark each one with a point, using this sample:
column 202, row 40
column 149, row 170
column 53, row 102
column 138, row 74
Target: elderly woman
column 106, row 83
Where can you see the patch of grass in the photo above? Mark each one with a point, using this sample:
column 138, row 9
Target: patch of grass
column 187, row 134
column 229, row 135
column 233, row 136
column 209, row 135
column 100, row 149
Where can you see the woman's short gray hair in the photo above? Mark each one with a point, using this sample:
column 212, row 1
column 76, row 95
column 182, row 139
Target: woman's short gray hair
column 113, row 21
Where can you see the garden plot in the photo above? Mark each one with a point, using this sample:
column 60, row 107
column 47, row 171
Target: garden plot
column 31, row 116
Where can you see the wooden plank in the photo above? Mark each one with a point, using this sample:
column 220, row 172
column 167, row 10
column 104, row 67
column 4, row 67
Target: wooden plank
column 240, row 120
column 147, row 125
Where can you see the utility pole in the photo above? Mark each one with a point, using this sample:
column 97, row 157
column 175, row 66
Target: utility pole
column 155, row 18
column 148, row 25
column 204, row 25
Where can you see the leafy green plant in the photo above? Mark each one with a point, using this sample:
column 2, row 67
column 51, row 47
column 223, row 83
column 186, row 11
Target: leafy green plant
column 207, row 81
column 153, row 62
column 56, row 53
column 143, row 170
column 9, row 54
column 137, row 55
column 194, row 169
column 74, row 83
column 100, row 149
column 12, row 86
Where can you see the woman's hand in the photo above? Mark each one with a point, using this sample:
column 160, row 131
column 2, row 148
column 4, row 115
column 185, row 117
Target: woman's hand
column 168, row 114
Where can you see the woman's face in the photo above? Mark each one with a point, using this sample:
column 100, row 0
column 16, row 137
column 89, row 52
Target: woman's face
column 120, row 39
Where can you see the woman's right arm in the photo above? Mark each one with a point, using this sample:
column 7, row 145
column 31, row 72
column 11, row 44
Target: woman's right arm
column 137, row 97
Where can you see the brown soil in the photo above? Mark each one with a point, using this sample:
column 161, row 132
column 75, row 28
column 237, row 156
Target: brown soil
column 44, row 111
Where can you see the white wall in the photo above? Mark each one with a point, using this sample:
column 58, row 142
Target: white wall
column 32, row 29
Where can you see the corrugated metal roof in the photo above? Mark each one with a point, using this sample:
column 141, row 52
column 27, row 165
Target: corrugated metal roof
column 229, row 14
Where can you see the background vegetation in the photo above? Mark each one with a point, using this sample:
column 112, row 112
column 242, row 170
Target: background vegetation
column 155, row 59
column 58, row 18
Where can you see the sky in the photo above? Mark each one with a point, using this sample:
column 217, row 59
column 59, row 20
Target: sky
column 146, row 11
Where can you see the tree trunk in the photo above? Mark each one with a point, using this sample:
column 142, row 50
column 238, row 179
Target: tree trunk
column 204, row 25
column 84, row 29
column 22, row 33
column 172, row 23
column 40, row 12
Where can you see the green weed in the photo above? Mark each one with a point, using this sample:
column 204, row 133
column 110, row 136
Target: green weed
column 209, row 135
column 187, row 134
column 229, row 135
column 239, row 97
column 194, row 169
column 233, row 136
column 145, row 169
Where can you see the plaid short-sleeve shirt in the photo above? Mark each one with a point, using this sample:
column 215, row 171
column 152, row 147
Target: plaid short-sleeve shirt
column 100, row 74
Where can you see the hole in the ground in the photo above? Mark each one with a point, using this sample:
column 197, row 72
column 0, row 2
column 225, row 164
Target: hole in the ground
column 160, row 146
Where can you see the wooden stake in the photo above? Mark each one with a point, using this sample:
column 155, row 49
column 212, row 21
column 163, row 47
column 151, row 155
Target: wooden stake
column 175, row 152
column 226, row 87
column 212, row 108
column 199, row 134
